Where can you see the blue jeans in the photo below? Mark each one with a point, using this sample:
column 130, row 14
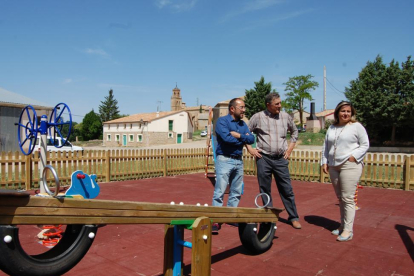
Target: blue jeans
column 228, row 171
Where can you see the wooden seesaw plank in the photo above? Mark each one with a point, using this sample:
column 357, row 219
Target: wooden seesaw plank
column 39, row 210
column 119, row 205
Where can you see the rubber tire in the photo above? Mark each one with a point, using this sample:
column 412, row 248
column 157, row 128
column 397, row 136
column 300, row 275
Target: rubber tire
column 257, row 243
column 56, row 261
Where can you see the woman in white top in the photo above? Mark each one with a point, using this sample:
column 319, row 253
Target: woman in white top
column 345, row 146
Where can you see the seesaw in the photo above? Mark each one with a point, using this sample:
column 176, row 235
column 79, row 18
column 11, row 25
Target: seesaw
column 84, row 216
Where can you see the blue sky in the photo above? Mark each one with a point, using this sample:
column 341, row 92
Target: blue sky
column 75, row 51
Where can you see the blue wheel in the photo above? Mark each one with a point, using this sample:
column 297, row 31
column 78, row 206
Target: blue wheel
column 60, row 123
column 27, row 130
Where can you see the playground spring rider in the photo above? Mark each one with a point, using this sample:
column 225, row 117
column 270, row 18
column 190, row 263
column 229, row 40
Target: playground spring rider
column 28, row 130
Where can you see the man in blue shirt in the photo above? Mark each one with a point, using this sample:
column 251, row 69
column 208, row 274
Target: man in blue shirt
column 232, row 134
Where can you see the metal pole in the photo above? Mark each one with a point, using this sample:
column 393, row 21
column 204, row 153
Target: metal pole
column 324, row 88
column 43, row 150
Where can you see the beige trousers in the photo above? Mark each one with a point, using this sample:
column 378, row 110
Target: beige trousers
column 345, row 179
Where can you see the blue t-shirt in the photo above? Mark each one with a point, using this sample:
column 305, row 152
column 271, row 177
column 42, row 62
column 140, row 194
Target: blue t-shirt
column 226, row 143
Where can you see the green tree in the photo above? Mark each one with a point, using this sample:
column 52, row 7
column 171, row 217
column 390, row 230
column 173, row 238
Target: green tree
column 77, row 131
column 298, row 90
column 91, row 126
column 73, row 132
column 108, row 109
column 383, row 97
column 255, row 98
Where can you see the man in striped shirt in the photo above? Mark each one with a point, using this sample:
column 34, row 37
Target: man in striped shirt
column 272, row 153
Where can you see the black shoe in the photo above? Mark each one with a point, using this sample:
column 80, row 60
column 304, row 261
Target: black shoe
column 215, row 228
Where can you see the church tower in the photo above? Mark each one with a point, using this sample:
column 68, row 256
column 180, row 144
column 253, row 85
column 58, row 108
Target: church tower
column 176, row 100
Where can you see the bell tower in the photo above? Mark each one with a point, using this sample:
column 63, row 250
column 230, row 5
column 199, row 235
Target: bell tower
column 176, row 100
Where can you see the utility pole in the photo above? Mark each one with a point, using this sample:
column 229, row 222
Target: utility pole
column 324, row 88
column 159, row 105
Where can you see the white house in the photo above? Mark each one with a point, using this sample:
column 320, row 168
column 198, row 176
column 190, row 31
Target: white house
column 145, row 129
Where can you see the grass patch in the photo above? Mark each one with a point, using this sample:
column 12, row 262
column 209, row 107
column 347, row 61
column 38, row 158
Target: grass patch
column 311, row 139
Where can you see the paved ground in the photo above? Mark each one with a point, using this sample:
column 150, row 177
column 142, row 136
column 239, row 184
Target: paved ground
column 382, row 245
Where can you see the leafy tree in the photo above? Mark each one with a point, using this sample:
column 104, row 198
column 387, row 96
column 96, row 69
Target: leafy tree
column 384, row 98
column 255, row 98
column 91, row 126
column 77, row 131
column 108, row 109
column 287, row 106
column 298, row 90
column 73, row 132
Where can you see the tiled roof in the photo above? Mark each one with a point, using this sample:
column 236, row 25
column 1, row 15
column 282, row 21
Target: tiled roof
column 146, row 117
column 325, row 113
column 14, row 98
column 227, row 101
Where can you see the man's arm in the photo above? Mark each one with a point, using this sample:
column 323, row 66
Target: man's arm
column 247, row 138
column 293, row 137
column 254, row 152
column 289, row 150
column 222, row 129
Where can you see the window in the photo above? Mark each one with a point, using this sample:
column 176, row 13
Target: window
column 117, row 137
column 170, row 125
column 124, row 125
column 108, row 137
column 109, row 126
column 131, row 138
column 117, row 126
column 139, row 137
column 130, row 126
column 170, row 135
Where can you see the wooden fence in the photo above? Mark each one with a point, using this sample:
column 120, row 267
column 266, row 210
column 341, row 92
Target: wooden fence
column 17, row 171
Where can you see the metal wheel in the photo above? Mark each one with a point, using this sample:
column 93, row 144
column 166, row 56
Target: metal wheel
column 60, row 123
column 27, row 130
column 74, row 244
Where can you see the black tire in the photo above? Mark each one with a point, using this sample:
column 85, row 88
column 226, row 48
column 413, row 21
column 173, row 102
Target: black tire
column 56, row 261
column 259, row 241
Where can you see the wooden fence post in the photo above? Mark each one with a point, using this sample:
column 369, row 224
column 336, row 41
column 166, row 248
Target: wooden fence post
column 108, row 166
column 28, row 168
column 164, row 156
column 407, row 165
column 322, row 175
column 201, row 250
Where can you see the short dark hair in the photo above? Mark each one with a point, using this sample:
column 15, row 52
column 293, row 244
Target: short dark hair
column 233, row 103
column 338, row 108
column 272, row 95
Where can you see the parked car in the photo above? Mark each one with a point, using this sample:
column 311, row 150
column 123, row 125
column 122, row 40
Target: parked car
column 52, row 143
column 203, row 133
column 301, row 129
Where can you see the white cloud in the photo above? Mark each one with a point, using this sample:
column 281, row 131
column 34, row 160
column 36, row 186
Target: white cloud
column 273, row 20
column 162, row 3
column 70, row 80
column 251, row 6
column 97, row 51
column 176, row 5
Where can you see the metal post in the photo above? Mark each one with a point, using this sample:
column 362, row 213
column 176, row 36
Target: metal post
column 324, row 88
column 43, row 150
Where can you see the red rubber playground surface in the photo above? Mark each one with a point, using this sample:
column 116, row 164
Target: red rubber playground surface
column 383, row 241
